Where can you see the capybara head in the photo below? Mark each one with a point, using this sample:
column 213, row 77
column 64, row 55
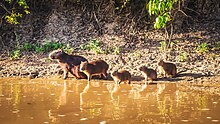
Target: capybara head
column 114, row 73
column 142, row 68
column 83, row 66
column 56, row 54
column 160, row 63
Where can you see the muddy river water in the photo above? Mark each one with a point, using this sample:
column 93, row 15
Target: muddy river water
column 42, row 101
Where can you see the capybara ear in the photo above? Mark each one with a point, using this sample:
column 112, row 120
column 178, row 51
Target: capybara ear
column 84, row 62
column 141, row 68
column 160, row 62
column 114, row 73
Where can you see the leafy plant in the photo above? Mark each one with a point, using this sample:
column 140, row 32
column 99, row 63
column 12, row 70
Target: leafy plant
column 183, row 57
column 68, row 49
column 28, row 47
column 13, row 14
column 42, row 48
column 137, row 54
column 12, row 18
column 123, row 4
column 51, row 46
column 163, row 45
column 116, row 50
column 202, row 48
column 216, row 47
column 162, row 20
column 15, row 54
column 161, row 9
column 93, row 45
column 113, row 50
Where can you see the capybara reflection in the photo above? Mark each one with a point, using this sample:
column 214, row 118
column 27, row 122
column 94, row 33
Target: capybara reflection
column 69, row 63
column 167, row 68
column 148, row 73
column 98, row 67
column 121, row 76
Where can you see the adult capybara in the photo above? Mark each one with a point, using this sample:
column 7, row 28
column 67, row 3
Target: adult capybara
column 148, row 73
column 167, row 68
column 121, row 76
column 98, row 67
column 69, row 63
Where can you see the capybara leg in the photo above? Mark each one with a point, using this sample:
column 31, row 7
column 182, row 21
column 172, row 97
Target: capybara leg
column 129, row 81
column 116, row 81
column 165, row 75
column 151, row 80
column 119, row 82
column 174, row 73
column 105, row 75
column 65, row 74
column 89, row 78
column 145, row 78
column 76, row 76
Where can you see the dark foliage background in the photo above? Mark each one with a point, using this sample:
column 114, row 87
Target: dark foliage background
column 75, row 21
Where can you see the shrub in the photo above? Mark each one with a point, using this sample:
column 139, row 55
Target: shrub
column 93, row 45
column 15, row 54
column 183, row 57
column 202, row 48
column 48, row 46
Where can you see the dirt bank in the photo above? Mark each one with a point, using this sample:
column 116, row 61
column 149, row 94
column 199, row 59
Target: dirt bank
column 138, row 44
column 35, row 66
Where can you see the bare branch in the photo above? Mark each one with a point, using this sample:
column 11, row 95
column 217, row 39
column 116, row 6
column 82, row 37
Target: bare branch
column 2, row 5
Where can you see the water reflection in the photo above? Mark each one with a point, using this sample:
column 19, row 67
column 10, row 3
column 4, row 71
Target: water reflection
column 79, row 101
column 68, row 102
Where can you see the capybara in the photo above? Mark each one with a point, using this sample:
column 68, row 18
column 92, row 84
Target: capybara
column 69, row 63
column 167, row 68
column 148, row 73
column 121, row 76
column 98, row 67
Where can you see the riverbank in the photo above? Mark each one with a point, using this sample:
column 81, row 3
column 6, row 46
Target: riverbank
column 40, row 66
column 196, row 53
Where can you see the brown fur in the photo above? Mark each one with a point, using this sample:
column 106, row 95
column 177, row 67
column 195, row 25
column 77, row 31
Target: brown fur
column 148, row 73
column 167, row 68
column 98, row 67
column 121, row 76
column 69, row 63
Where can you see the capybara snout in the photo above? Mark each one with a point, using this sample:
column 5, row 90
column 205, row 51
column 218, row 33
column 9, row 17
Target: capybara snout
column 56, row 54
column 83, row 66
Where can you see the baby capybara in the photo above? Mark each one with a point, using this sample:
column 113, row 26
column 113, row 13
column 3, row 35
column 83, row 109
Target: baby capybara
column 167, row 68
column 121, row 76
column 98, row 67
column 148, row 73
column 69, row 63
